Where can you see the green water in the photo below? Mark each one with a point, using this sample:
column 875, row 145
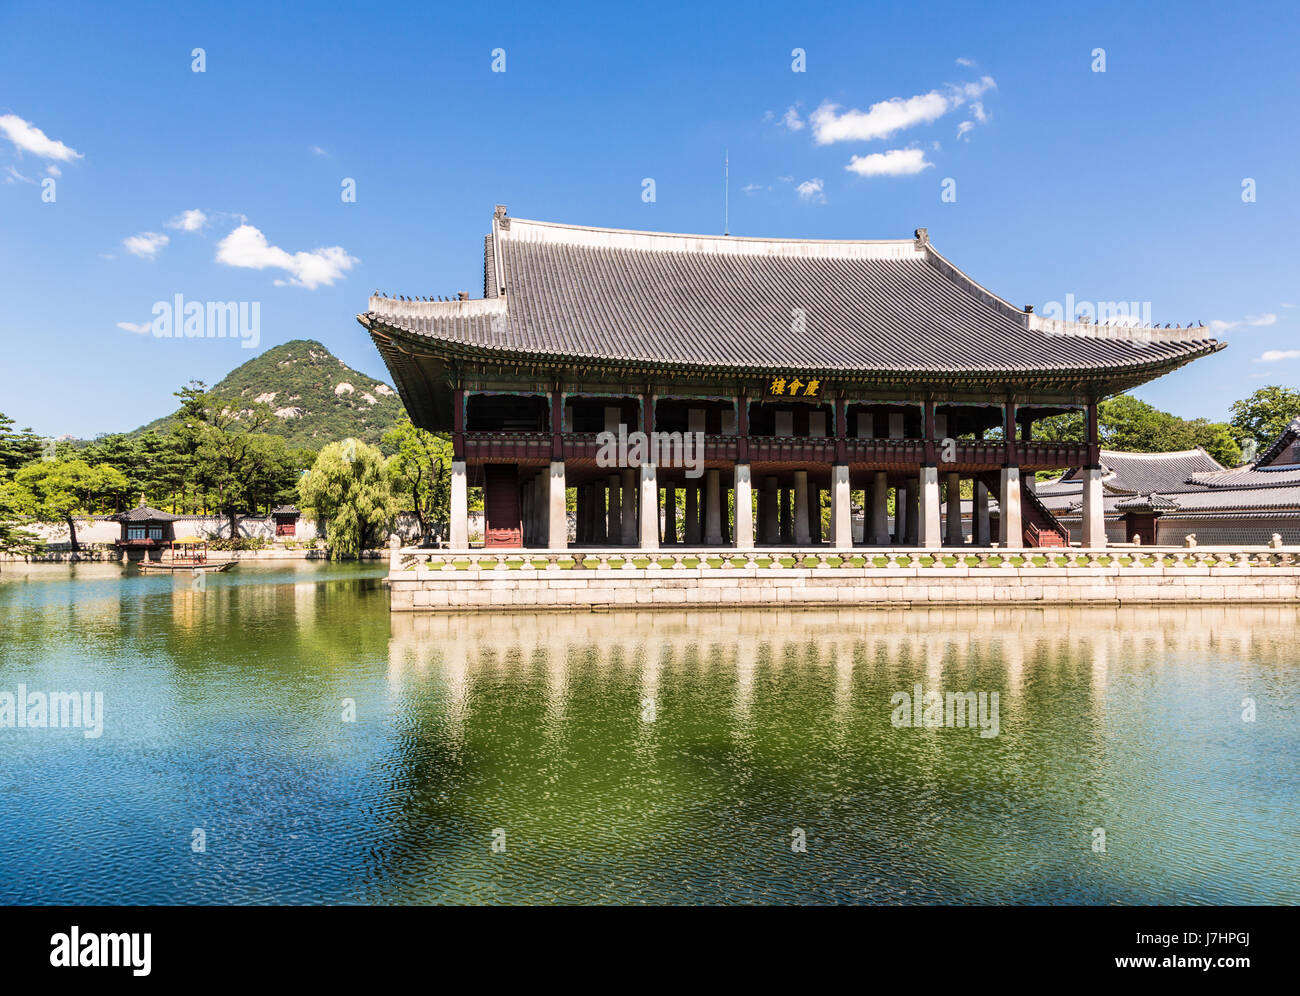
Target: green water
column 634, row 758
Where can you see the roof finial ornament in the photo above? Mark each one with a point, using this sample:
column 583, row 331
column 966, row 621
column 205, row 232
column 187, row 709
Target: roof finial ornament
column 922, row 238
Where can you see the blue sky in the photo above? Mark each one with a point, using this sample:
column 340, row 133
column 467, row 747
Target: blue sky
column 1117, row 186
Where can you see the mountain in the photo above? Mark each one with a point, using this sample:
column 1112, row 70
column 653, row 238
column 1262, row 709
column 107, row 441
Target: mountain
column 317, row 398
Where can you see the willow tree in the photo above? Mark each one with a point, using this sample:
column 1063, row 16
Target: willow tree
column 420, row 470
column 348, row 491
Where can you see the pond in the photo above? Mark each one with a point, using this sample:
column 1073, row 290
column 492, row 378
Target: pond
column 278, row 737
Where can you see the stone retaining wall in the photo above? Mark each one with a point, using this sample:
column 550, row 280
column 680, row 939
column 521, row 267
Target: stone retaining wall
column 474, row 589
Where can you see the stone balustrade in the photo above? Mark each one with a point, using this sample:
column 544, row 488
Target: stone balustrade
column 439, row 579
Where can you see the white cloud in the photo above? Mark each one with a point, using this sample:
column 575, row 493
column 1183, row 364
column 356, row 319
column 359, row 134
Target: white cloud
column 895, row 162
column 247, row 247
column 812, row 190
column 965, row 62
column 316, row 150
column 146, row 244
column 964, row 127
column 1272, row 355
column 894, row 115
column 53, row 170
column 27, row 137
column 189, row 221
column 139, row 329
column 1258, row 321
column 15, row 175
column 792, row 120
column 749, row 188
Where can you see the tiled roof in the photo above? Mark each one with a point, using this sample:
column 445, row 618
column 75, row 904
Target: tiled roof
column 565, row 293
column 1146, row 503
column 1288, row 436
column 143, row 513
column 1143, row 473
column 1249, row 477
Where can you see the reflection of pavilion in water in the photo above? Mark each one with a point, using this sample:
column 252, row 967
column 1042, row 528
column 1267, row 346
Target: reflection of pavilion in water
column 897, row 646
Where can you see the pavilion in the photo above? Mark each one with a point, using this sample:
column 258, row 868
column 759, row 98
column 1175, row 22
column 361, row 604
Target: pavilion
column 873, row 370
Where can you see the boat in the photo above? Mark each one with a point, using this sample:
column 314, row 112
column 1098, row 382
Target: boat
column 189, row 553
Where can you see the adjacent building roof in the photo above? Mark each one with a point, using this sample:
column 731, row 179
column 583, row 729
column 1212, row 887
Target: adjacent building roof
column 1143, row 473
column 1276, row 452
column 570, row 295
column 143, row 513
column 1188, row 483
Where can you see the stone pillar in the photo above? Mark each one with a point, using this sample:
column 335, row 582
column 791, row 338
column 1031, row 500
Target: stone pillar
column 692, row 527
column 955, row 537
column 614, row 518
column 771, row 531
column 980, row 521
column 901, row 507
column 744, row 509
column 670, row 513
column 1010, row 532
column 599, row 515
column 841, row 508
column 627, row 513
column 557, row 513
column 712, row 507
column 927, row 521
column 459, row 525
column 1094, row 517
column 649, row 507
column 879, row 526
column 914, row 513
column 802, row 534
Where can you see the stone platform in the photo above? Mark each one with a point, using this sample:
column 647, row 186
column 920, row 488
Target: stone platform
column 474, row 580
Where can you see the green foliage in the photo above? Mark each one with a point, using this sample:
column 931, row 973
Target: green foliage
column 62, row 490
column 349, row 491
column 1265, row 414
column 238, row 543
column 16, row 448
column 420, row 471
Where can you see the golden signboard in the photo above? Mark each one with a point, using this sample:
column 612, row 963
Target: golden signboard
column 793, row 387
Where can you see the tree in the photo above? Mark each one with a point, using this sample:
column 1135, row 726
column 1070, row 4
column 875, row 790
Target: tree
column 349, row 491
column 16, row 448
column 12, row 538
column 420, row 469
column 1217, row 439
column 60, row 490
column 1264, row 415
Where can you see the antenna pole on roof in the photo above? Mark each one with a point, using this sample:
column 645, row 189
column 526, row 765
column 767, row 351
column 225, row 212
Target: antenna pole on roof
column 726, row 192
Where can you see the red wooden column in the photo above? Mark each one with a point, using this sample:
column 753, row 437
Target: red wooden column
column 1094, row 441
column 458, row 424
column 841, row 429
column 1012, row 458
column 557, row 424
column 742, row 428
column 929, row 432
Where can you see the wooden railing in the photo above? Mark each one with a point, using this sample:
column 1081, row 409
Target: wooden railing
column 512, row 446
